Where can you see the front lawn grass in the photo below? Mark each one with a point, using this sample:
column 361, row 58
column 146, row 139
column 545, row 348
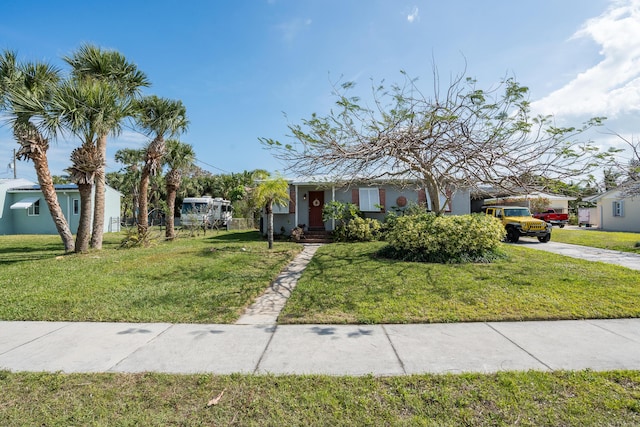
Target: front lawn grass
column 203, row 279
column 501, row 399
column 348, row 283
column 618, row 241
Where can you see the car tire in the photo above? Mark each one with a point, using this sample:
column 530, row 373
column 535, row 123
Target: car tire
column 545, row 238
column 512, row 235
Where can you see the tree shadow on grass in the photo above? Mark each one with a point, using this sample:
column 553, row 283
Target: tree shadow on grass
column 244, row 236
column 14, row 253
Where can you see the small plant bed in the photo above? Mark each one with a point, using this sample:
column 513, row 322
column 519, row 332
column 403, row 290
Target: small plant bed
column 349, row 283
column 617, row 241
column 204, row 279
column 501, row 399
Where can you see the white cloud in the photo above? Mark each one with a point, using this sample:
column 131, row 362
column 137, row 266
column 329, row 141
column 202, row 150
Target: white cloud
column 291, row 29
column 413, row 16
column 612, row 86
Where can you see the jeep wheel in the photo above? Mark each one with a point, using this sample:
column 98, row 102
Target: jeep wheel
column 561, row 225
column 512, row 235
column 545, row 238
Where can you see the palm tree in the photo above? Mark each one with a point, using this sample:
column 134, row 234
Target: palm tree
column 268, row 192
column 86, row 161
column 179, row 157
column 89, row 109
column 161, row 118
column 90, row 62
column 25, row 90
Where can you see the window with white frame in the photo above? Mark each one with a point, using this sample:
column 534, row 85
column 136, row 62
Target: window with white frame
column 369, row 199
column 34, row 209
column 618, row 208
column 76, row 206
column 280, row 209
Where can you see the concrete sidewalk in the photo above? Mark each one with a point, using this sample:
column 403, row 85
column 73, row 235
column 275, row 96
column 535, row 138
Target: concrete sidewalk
column 320, row 349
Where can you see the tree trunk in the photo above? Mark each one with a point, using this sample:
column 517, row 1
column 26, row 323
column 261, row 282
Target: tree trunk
column 143, row 222
column 41, row 166
column 433, row 190
column 270, row 223
column 84, row 228
column 98, row 210
column 170, row 232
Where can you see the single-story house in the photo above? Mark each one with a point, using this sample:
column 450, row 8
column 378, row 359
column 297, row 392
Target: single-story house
column 23, row 209
column 375, row 199
column 616, row 211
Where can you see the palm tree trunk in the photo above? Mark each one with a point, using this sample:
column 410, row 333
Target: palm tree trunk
column 99, row 208
column 170, row 232
column 41, row 166
column 143, row 222
column 84, row 228
column 270, row 223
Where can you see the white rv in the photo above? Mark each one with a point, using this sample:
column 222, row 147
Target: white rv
column 205, row 212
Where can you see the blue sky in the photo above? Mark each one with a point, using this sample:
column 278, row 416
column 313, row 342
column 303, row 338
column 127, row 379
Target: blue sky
column 239, row 65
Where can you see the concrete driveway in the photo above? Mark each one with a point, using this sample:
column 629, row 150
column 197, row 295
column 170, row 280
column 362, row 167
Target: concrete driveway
column 624, row 259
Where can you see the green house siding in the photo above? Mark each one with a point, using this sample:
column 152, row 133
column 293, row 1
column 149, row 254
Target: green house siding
column 21, row 220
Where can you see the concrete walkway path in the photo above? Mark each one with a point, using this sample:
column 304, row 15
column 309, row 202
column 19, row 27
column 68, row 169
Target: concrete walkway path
column 320, row 349
column 625, row 259
column 268, row 306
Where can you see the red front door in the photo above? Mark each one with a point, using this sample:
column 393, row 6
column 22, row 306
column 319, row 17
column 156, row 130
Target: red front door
column 316, row 203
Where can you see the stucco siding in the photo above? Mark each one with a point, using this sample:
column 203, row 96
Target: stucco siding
column 629, row 220
column 391, row 197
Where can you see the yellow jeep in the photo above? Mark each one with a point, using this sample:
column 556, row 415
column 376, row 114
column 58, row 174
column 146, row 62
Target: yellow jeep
column 519, row 222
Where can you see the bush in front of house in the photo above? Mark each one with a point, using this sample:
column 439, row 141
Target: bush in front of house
column 444, row 239
column 359, row 230
column 351, row 226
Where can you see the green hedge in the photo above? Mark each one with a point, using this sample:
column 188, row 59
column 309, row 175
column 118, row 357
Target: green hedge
column 444, row 239
column 358, row 230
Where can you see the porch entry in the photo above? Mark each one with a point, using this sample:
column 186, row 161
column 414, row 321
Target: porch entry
column 316, row 203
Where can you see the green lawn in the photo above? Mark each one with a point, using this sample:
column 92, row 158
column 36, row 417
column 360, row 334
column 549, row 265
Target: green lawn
column 502, row 399
column 625, row 242
column 205, row 279
column 346, row 283
column 210, row 279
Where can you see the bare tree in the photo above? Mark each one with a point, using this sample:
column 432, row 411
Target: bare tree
column 627, row 163
column 462, row 137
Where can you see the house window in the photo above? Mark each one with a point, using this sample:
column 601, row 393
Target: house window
column 76, row 206
column 618, row 208
column 369, row 199
column 280, row 209
column 34, row 209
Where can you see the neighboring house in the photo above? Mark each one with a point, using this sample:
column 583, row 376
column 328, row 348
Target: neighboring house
column 23, row 209
column 375, row 200
column 557, row 202
column 617, row 212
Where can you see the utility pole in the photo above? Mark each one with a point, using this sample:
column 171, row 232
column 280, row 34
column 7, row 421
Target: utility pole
column 15, row 173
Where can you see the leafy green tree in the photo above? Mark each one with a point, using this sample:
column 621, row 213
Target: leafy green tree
column 161, row 118
column 268, row 192
column 460, row 136
column 25, row 91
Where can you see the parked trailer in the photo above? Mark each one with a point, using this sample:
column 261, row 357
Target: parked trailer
column 587, row 217
column 205, row 212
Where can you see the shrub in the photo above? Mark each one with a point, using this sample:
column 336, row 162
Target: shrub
column 341, row 212
column 351, row 224
column 445, row 239
column 360, row 230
